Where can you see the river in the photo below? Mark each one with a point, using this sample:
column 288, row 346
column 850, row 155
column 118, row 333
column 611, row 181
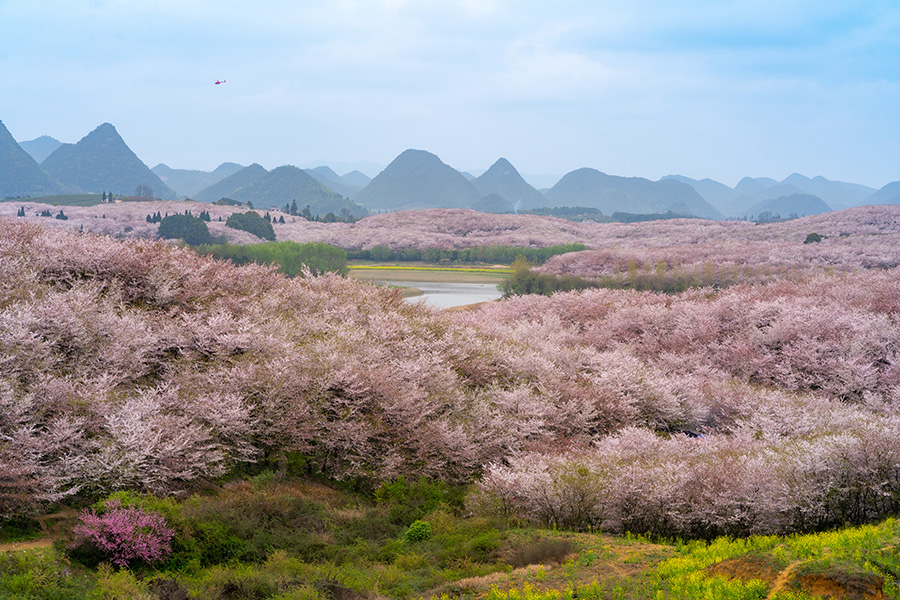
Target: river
column 448, row 295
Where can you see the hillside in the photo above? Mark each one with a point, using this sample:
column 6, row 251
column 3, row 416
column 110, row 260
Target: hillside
column 717, row 194
column 187, row 182
column 101, row 161
column 332, row 180
column 231, row 185
column 801, row 205
column 417, row 179
column 356, row 179
column 41, row 147
column 503, row 180
column 609, row 193
column 889, row 194
column 20, row 175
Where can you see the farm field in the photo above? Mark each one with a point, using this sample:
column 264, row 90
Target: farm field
column 428, row 272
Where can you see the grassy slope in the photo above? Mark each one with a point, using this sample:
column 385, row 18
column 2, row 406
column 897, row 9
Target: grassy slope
column 295, row 539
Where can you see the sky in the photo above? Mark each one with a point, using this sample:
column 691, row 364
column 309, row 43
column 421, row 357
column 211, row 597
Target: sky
column 640, row 88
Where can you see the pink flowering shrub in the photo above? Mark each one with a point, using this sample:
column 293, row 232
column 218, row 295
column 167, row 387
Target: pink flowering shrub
column 124, row 535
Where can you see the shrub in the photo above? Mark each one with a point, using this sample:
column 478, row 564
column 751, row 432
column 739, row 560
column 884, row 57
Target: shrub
column 123, row 535
column 408, row 502
column 814, row 238
column 541, row 551
column 40, row 576
column 418, row 531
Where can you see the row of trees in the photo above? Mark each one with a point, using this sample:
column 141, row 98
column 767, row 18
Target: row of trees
column 493, row 254
column 291, row 258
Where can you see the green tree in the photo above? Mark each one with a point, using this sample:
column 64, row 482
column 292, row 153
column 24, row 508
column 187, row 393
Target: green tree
column 192, row 230
column 252, row 223
column 814, row 238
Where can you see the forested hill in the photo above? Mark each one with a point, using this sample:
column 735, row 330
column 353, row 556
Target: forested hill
column 20, row 175
column 417, row 179
column 102, row 161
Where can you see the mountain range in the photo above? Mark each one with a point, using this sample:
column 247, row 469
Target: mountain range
column 744, row 198
column 609, row 193
column 102, row 161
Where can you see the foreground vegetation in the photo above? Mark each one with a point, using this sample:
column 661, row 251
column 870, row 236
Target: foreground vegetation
column 276, row 536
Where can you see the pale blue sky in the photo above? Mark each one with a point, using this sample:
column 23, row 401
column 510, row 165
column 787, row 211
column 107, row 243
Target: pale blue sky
column 717, row 89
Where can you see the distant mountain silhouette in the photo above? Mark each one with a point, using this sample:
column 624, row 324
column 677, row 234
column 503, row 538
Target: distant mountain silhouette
column 101, row 161
column 503, row 180
column 716, row 193
column 743, row 202
column 357, row 179
column 837, row 194
column 417, row 179
column 755, row 190
column 40, row 148
column 493, row 203
column 889, row 194
column 749, row 185
column 225, row 188
column 334, row 181
column 609, row 193
column 20, row 174
column 278, row 187
column 188, row 182
column 800, row 205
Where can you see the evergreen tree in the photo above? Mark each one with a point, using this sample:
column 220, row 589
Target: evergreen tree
column 294, row 210
column 252, row 223
column 190, row 229
column 21, row 212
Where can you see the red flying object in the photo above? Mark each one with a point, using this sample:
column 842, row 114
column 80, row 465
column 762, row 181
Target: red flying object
column 218, row 82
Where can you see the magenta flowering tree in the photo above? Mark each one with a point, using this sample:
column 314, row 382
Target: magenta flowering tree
column 124, row 535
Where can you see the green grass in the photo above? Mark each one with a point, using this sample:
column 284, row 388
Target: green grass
column 63, row 200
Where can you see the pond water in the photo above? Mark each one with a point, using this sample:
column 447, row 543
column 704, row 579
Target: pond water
column 448, row 295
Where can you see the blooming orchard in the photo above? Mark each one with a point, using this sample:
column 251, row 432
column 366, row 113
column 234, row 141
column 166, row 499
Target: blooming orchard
column 139, row 365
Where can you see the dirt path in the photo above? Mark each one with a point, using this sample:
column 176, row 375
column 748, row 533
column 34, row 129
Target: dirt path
column 29, row 545
column 783, row 578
